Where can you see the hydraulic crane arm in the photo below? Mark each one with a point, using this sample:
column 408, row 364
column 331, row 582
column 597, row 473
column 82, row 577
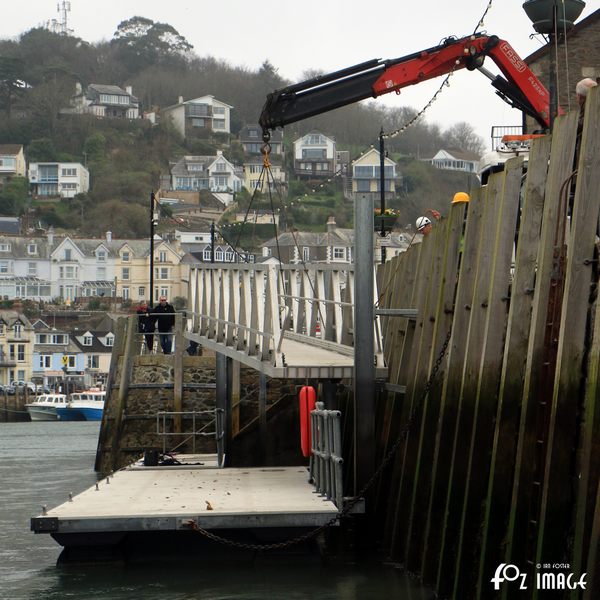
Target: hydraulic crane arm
column 521, row 88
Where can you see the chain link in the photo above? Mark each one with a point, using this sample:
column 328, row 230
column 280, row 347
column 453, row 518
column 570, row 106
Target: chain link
column 352, row 502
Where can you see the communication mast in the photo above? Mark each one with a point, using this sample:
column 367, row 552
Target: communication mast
column 60, row 25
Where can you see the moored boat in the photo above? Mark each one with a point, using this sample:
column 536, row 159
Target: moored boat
column 45, row 407
column 83, row 406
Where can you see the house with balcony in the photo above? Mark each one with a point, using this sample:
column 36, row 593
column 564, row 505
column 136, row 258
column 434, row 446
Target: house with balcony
column 250, row 137
column 12, row 162
column 455, row 160
column 105, row 101
column 315, row 156
column 200, row 117
column 16, row 347
column 253, row 178
column 366, row 176
column 212, row 173
column 25, row 268
column 54, row 179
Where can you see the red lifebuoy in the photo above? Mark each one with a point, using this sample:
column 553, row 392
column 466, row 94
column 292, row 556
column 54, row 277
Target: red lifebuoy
column 308, row 398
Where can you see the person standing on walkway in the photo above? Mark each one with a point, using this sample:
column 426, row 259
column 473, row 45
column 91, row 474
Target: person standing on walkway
column 164, row 313
column 145, row 324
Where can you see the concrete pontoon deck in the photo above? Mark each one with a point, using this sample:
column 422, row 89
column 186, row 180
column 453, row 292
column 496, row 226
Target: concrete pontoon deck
column 166, row 498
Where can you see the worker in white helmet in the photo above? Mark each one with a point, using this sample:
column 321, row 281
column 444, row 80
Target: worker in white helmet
column 424, row 225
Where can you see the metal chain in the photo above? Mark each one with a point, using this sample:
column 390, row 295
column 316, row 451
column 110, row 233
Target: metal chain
column 349, row 505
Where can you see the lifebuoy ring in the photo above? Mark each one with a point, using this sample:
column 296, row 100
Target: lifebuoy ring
column 308, row 398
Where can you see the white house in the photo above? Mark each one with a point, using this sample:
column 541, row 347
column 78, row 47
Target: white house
column 199, row 117
column 315, row 156
column 58, row 179
column 455, row 160
column 106, row 101
column 213, row 173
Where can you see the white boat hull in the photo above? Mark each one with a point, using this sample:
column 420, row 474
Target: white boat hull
column 42, row 413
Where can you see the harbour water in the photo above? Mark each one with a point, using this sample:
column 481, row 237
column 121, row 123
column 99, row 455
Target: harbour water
column 42, row 462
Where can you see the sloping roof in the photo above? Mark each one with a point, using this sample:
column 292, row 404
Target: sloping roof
column 11, row 149
column 460, row 154
column 10, row 225
column 337, row 237
column 10, row 317
column 98, row 88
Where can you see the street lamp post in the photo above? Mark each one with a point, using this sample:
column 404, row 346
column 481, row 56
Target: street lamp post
column 153, row 224
column 551, row 18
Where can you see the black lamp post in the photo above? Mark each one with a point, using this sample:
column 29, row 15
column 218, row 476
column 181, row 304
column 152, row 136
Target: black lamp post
column 551, row 18
column 153, row 224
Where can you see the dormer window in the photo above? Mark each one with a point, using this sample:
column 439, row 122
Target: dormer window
column 110, row 340
column 31, row 248
column 17, row 329
column 101, row 256
column 4, row 247
column 125, row 256
column 162, row 256
column 67, row 253
column 87, row 340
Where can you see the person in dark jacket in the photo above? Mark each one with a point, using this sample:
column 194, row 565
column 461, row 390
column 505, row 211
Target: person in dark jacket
column 164, row 314
column 145, row 324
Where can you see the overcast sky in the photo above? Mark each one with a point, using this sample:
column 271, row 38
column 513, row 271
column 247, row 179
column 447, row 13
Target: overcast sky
column 319, row 34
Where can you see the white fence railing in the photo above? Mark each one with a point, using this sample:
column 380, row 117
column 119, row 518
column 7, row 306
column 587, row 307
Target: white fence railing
column 254, row 308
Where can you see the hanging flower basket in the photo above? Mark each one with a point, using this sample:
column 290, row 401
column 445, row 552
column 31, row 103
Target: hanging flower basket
column 388, row 219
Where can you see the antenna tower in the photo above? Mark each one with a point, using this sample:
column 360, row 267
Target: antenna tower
column 60, row 25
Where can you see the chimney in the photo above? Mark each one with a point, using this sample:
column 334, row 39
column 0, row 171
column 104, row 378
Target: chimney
column 219, row 152
column 180, row 100
column 78, row 88
column 128, row 89
column 50, row 235
column 331, row 225
column 109, row 236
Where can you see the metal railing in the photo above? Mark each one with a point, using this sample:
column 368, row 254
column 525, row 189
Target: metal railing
column 216, row 419
column 326, row 453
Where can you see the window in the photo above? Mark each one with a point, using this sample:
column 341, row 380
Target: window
column 206, row 254
column 70, row 361
column 339, row 253
column 11, row 352
column 219, row 255
column 363, row 185
column 32, row 269
column 218, row 110
column 4, row 247
column 125, row 293
column 20, row 352
column 164, row 291
column 101, row 256
column 2, row 329
column 93, row 361
column 195, row 167
column 125, row 273
column 162, row 256
column 198, row 122
column 31, row 248
column 305, row 254
column 67, row 253
column 162, row 273
column 229, row 256
column 221, row 182
column 125, row 256
column 141, row 291
column 17, row 330
column 363, row 172
column 87, row 340
column 110, row 340
column 67, row 272
column 45, row 361
column 219, row 124
column 69, row 186
column 5, row 266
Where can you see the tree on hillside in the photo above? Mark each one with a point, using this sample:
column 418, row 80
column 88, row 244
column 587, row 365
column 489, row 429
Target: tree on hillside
column 13, row 197
column 12, row 84
column 462, row 136
column 142, row 42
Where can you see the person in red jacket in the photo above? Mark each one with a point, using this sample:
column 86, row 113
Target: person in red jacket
column 164, row 314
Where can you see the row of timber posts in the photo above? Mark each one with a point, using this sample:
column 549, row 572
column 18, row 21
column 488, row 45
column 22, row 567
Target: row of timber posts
column 500, row 462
